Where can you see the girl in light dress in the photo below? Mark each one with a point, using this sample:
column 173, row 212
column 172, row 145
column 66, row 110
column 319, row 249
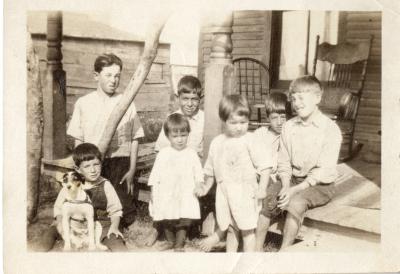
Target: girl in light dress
column 176, row 173
column 235, row 161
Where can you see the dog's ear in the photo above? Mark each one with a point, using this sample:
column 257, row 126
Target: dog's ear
column 79, row 177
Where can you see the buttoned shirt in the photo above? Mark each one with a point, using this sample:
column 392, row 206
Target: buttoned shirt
column 195, row 140
column 114, row 207
column 309, row 149
column 89, row 119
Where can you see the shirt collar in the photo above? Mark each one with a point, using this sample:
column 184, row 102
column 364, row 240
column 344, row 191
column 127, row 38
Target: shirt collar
column 104, row 96
column 317, row 119
column 194, row 117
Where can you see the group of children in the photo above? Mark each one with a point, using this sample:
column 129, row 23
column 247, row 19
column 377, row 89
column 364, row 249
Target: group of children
column 284, row 169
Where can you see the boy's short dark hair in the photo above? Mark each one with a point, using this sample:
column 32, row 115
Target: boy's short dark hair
column 106, row 60
column 176, row 122
column 277, row 102
column 233, row 104
column 85, row 152
column 305, row 83
column 189, row 84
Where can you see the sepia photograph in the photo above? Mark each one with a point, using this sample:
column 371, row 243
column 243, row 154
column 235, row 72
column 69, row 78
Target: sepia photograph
column 204, row 132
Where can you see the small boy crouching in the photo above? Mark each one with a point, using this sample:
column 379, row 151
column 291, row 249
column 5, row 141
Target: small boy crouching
column 87, row 160
column 307, row 158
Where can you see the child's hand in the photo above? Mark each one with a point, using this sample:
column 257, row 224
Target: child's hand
column 115, row 231
column 284, row 197
column 128, row 179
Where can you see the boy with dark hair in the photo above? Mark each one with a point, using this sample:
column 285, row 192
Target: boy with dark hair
column 189, row 96
column 278, row 111
column 90, row 116
column 105, row 201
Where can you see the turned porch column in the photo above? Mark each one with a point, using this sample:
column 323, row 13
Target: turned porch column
column 54, row 93
column 219, row 75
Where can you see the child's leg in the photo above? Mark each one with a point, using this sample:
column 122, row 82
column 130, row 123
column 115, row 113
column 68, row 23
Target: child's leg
column 232, row 239
column 208, row 243
column 169, row 231
column 290, row 230
column 48, row 239
column 249, row 240
column 114, row 169
column 181, row 232
column 268, row 212
column 261, row 232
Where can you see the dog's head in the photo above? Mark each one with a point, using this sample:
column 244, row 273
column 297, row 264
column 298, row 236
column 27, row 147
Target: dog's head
column 72, row 180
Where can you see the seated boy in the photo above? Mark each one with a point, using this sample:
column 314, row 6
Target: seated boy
column 278, row 110
column 105, row 200
column 189, row 96
column 308, row 153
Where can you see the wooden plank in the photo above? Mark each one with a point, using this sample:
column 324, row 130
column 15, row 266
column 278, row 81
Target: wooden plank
column 248, row 14
column 249, row 21
column 369, row 120
column 248, row 36
column 248, row 44
column 364, row 25
column 366, row 16
column 363, row 33
column 248, row 51
column 247, row 29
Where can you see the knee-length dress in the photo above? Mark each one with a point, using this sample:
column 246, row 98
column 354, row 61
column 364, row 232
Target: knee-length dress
column 235, row 162
column 173, row 180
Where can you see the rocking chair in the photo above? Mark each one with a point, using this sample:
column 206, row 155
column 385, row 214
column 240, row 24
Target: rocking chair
column 252, row 80
column 347, row 63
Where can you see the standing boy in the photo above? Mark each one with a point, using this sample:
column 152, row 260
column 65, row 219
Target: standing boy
column 308, row 154
column 90, row 116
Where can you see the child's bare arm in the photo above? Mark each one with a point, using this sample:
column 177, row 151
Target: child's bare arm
column 263, row 184
column 205, row 187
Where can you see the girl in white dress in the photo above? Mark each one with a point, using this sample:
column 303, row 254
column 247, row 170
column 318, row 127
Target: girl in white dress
column 234, row 162
column 176, row 172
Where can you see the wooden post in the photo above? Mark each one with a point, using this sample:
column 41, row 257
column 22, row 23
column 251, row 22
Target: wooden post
column 54, row 93
column 219, row 75
column 218, row 81
column 34, row 126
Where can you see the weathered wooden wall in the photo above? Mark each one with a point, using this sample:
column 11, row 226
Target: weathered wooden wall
column 154, row 99
column 251, row 37
column 356, row 27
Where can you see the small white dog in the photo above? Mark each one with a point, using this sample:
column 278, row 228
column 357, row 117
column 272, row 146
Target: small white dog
column 78, row 225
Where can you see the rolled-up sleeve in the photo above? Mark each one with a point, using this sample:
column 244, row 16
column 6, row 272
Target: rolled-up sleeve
column 114, row 207
column 260, row 153
column 75, row 126
column 284, row 163
column 325, row 171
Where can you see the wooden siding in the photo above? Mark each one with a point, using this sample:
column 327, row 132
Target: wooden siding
column 251, row 37
column 356, row 27
column 79, row 54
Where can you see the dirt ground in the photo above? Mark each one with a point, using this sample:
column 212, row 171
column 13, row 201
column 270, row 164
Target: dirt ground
column 134, row 236
column 143, row 225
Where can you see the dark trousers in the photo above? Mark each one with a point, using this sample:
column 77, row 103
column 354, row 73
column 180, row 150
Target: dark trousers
column 114, row 169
